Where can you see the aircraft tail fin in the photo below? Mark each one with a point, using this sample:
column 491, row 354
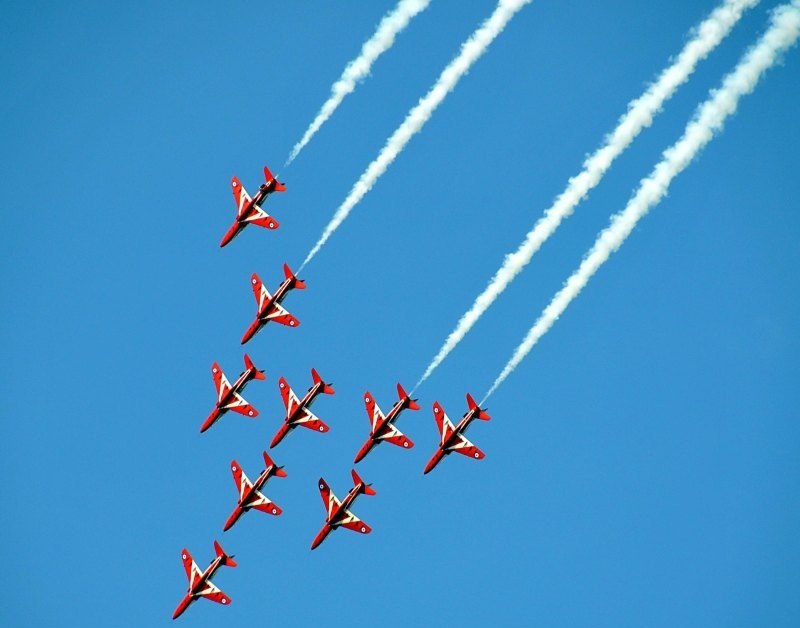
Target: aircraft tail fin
column 271, row 463
column 298, row 283
column 226, row 560
column 326, row 388
column 279, row 187
column 366, row 488
column 481, row 412
column 412, row 403
column 248, row 364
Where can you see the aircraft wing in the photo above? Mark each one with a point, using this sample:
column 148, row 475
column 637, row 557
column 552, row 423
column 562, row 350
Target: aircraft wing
column 213, row 593
column 311, row 421
column 242, row 481
column 290, row 400
column 240, row 196
column 193, row 572
column 260, row 291
column 394, row 436
column 443, row 422
column 261, row 502
column 241, row 406
column 278, row 314
column 466, row 448
column 351, row 522
column 328, row 498
column 373, row 411
column 221, row 382
column 261, row 218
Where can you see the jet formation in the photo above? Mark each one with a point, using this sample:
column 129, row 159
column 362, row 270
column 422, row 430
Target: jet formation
column 382, row 426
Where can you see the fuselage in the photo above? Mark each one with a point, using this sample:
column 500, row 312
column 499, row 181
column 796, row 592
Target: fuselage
column 294, row 416
column 242, row 505
column 267, row 308
column 221, row 406
column 380, row 430
column 449, row 441
column 333, row 518
column 195, row 589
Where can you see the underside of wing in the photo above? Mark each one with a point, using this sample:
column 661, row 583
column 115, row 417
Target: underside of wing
column 373, row 411
column 261, row 218
column 394, row 436
column 192, row 570
column 351, row 522
column 240, row 196
column 238, row 404
column 261, row 502
column 290, row 400
column 328, row 498
column 466, row 448
column 279, row 314
column 311, row 421
column 221, row 382
column 240, row 479
column 213, row 593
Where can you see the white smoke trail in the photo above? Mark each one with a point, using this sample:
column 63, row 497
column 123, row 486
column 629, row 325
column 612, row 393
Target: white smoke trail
column 639, row 116
column 471, row 50
column 392, row 24
column 706, row 122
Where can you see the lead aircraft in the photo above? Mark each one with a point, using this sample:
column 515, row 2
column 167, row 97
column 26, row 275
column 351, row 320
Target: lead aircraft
column 248, row 210
column 228, row 396
column 269, row 305
column 382, row 426
column 297, row 410
column 250, row 495
column 338, row 513
column 200, row 584
column 452, row 436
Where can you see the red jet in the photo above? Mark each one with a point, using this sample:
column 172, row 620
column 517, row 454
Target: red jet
column 269, row 306
column 382, row 428
column 248, row 210
column 338, row 513
column 250, row 495
column 453, row 438
column 200, row 584
column 297, row 410
column 229, row 397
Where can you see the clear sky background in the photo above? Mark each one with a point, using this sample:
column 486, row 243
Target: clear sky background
column 642, row 464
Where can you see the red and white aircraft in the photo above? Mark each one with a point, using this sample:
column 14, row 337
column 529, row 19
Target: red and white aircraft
column 381, row 427
column 297, row 410
column 248, row 210
column 269, row 305
column 250, row 495
column 338, row 513
column 452, row 436
column 200, row 584
column 228, row 396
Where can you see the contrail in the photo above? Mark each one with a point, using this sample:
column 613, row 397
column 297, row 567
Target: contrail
column 706, row 122
column 392, row 24
column 640, row 114
column 471, row 50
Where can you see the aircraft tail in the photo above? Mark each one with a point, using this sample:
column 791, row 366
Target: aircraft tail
column 270, row 462
column 279, row 187
column 412, row 403
column 367, row 489
column 326, row 388
column 298, row 283
column 248, row 364
column 481, row 412
column 226, row 560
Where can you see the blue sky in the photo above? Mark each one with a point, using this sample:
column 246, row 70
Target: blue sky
column 642, row 463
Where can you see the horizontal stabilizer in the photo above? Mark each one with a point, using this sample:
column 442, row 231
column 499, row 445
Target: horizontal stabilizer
column 412, row 403
column 326, row 388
